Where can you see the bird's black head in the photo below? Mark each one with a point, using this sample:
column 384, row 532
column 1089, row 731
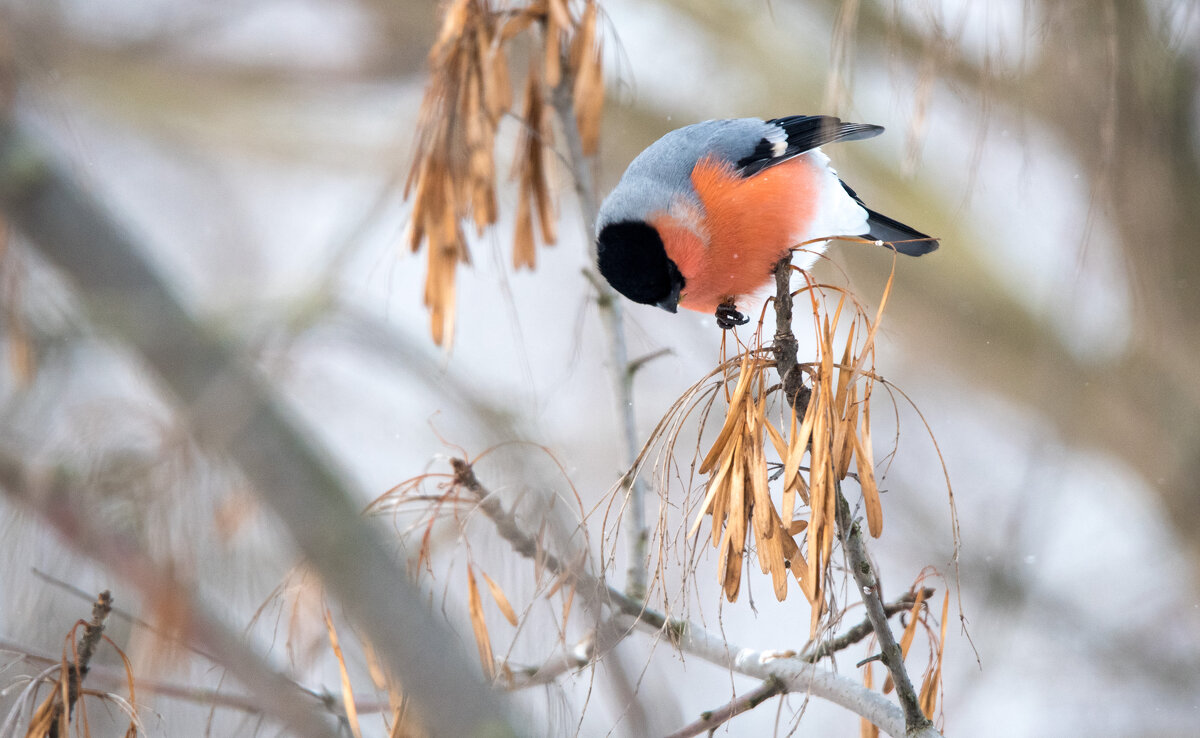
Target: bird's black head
column 632, row 258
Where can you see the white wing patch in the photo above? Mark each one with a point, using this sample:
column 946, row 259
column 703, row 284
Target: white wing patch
column 779, row 143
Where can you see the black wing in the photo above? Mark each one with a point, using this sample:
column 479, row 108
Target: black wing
column 905, row 239
column 798, row 134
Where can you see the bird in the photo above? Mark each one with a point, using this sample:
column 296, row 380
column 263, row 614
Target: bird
column 701, row 217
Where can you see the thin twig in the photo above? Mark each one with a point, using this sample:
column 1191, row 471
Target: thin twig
column 109, row 678
column 709, row 721
column 785, row 347
column 864, row 629
column 915, row 721
column 233, row 413
column 645, row 359
column 86, row 647
column 276, row 694
column 611, row 312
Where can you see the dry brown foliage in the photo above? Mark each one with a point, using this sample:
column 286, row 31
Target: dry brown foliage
column 437, row 508
column 792, row 533
column 453, row 176
column 935, row 632
column 65, row 708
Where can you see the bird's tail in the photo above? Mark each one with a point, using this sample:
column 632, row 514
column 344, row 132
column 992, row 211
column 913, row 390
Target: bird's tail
column 895, row 234
column 906, row 240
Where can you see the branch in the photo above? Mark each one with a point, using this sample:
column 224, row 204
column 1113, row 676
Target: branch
column 589, row 586
column 234, row 413
column 619, row 369
column 276, row 694
column 864, row 629
column 868, row 586
column 88, row 640
column 709, row 721
column 116, row 679
column 785, row 346
column 567, row 660
column 796, row 674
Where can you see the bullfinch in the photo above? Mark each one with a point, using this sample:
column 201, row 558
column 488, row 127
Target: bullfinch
column 700, row 218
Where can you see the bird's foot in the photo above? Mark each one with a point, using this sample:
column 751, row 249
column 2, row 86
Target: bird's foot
column 728, row 316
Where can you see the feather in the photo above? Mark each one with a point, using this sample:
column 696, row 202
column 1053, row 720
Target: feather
column 798, row 134
column 905, row 239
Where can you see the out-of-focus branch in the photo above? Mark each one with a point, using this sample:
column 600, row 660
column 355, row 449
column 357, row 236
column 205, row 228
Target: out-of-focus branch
column 86, row 648
column 114, row 679
column 47, row 494
column 611, row 315
column 234, row 413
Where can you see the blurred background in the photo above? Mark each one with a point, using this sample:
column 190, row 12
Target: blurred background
column 258, row 150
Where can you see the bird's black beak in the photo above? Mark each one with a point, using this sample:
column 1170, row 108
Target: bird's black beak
column 670, row 303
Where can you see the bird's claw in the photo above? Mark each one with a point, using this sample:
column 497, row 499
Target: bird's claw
column 728, row 316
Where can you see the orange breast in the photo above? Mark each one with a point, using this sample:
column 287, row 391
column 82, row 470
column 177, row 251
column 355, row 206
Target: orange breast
column 748, row 224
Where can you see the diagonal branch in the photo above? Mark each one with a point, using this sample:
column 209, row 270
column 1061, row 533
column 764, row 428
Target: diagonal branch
column 916, row 723
column 785, row 348
column 234, row 413
column 865, row 628
column 795, row 673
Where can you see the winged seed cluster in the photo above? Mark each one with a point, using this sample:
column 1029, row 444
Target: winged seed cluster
column 833, row 431
column 453, row 177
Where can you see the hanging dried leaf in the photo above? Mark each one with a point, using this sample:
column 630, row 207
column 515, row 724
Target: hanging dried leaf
column 909, row 631
column 347, row 687
column 866, row 475
column 482, row 640
column 932, row 684
column 588, row 69
column 453, row 175
column 501, row 601
column 738, row 493
column 866, row 728
column 531, row 170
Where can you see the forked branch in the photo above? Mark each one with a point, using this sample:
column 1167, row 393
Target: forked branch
column 848, row 531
